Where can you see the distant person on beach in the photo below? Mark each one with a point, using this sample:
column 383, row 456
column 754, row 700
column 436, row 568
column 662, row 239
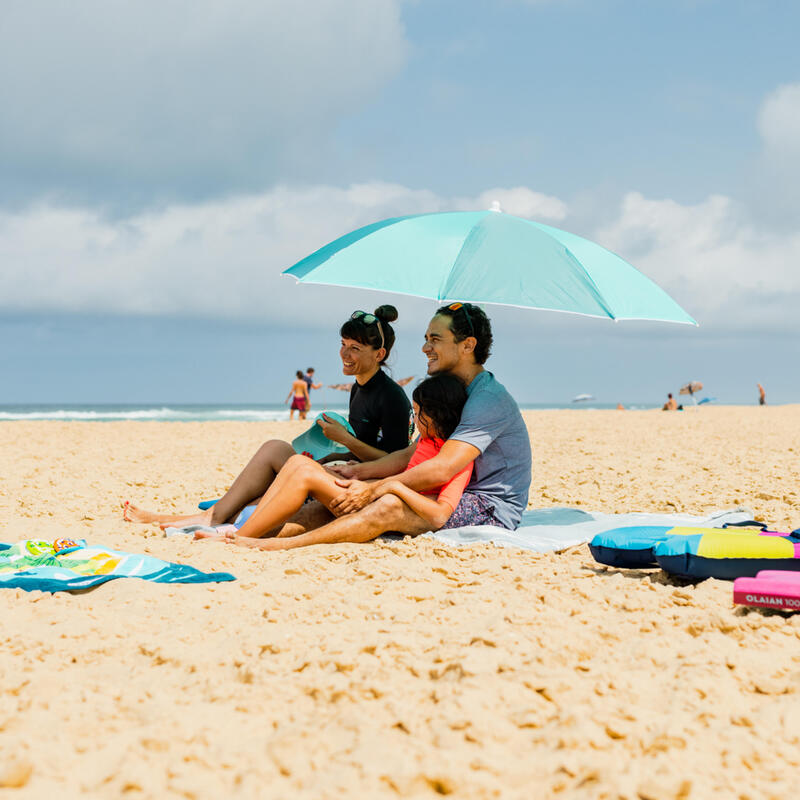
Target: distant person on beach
column 299, row 395
column 309, row 379
column 762, row 395
column 491, row 435
column 380, row 415
column 438, row 402
column 670, row 405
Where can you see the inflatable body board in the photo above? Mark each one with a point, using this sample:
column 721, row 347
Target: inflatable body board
column 727, row 554
column 633, row 547
column 769, row 589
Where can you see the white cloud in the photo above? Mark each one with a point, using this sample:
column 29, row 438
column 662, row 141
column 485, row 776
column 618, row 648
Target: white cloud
column 724, row 269
column 224, row 258
column 779, row 122
column 188, row 94
column 219, row 258
column 211, row 259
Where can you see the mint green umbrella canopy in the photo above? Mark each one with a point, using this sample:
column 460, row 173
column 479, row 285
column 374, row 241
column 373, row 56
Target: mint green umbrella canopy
column 489, row 257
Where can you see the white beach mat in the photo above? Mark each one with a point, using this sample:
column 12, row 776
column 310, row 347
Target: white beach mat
column 546, row 530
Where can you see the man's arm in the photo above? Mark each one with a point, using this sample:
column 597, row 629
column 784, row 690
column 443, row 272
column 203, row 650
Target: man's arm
column 390, row 464
column 434, row 512
column 449, row 461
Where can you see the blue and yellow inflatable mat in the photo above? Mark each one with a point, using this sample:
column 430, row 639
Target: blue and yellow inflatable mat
column 698, row 553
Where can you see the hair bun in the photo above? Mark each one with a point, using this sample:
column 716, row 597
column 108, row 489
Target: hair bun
column 386, row 313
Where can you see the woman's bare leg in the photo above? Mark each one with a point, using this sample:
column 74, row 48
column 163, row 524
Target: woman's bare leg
column 299, row 477
column 311, row 516
column 132, row 513
column 251, row 484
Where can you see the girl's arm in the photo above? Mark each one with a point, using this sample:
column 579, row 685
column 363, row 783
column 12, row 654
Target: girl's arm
column 434, row 512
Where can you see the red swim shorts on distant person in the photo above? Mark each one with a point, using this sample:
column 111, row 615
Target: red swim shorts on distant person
column 473, row 509
column 299, row 403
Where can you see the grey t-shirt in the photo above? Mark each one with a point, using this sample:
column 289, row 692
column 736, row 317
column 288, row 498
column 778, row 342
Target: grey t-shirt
column 491, row 422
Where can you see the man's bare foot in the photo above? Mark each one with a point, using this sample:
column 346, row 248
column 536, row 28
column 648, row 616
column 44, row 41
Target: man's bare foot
column 230, row 537
column 208, row 536
column 132, row 513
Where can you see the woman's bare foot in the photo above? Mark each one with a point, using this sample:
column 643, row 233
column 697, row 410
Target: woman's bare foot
column 132, row 513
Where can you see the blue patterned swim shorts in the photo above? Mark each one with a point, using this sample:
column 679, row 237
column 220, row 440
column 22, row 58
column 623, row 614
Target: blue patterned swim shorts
column 472, row 509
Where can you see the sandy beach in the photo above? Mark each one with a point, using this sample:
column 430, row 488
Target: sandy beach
column 399, row 669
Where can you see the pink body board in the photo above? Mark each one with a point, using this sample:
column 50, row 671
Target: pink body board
column 769, row 589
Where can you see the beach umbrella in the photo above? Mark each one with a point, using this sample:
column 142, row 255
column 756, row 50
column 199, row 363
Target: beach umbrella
column 489, row 257
column 691, row 388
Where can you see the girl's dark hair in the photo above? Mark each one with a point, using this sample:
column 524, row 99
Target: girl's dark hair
column 470, row 320
column 441, row 400
column 369, row 333
column 299, row 374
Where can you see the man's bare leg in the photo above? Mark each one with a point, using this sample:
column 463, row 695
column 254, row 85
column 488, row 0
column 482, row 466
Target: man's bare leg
column 387, row 513
column 251, row 484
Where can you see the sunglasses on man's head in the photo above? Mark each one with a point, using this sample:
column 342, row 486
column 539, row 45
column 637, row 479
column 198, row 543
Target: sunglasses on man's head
column 369, row 319
column 462, row 307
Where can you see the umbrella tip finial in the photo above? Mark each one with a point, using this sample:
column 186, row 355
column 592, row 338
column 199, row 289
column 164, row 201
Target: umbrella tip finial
column 496, row 207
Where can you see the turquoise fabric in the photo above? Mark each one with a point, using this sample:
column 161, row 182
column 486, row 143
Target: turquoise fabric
column 35, row 564
column 489, row 257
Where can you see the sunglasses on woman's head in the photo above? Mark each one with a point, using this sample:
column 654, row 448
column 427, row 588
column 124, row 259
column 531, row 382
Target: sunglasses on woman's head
column 462, row 307
column 369, row 319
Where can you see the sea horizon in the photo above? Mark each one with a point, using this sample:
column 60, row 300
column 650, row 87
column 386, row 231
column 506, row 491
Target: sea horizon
column 227, row 412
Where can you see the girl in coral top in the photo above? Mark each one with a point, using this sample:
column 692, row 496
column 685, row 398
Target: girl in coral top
column 438, row 402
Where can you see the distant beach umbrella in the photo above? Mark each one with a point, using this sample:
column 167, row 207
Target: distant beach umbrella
column 582, row 398
column 691, row 388
column 489, row 257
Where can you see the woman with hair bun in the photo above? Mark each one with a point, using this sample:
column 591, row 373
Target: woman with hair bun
column 380, row 416
column 380, row 412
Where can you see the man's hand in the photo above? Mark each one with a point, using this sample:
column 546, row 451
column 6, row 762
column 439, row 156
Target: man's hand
column 333, row 430
column 355, row 496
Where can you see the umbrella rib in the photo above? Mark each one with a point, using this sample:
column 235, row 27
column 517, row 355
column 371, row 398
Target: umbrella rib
column 497, row 303
column 598, row 296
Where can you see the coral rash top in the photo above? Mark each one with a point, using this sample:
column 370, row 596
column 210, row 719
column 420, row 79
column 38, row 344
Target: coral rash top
column 451, row 491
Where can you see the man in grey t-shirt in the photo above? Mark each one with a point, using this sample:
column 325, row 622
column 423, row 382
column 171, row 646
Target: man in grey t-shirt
column 491, row 435
column 501, row 475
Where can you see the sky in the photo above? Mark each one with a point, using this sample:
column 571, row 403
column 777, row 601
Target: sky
column 162, row 162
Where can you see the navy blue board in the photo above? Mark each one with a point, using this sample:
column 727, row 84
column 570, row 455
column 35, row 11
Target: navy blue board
column 629, row 548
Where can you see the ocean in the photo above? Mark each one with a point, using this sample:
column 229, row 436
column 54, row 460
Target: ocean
column 174, row 412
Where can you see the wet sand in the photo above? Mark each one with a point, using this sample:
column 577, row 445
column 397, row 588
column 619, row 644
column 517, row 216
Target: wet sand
column 399, row 669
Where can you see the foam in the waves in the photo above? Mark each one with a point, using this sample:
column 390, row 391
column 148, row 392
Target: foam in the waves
column 144, row 414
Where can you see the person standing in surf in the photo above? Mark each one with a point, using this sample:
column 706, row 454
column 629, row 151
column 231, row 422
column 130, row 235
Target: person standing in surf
column 299, row 394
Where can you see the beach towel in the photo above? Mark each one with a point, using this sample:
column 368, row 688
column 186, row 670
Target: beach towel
column 547, row 530
column 68, row 564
